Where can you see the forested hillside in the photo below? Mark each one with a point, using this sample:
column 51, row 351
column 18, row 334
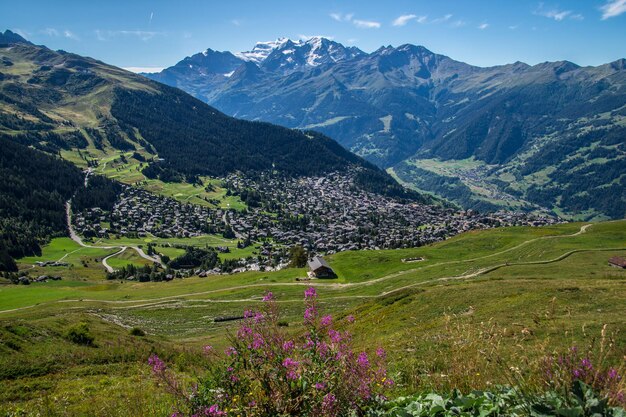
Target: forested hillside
column 33, row 190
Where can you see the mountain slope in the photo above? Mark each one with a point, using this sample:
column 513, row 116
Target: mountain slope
column 58, row 101
column 406, row 106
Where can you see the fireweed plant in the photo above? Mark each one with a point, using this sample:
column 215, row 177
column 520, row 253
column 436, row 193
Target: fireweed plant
column 267, row 373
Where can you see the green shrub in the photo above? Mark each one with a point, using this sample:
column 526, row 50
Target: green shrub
column 79, row 334
column 136, row 331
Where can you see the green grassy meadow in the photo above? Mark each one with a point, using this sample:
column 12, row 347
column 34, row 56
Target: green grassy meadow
column 538, row 289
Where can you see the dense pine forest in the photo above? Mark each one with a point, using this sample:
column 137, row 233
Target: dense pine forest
column 33, row 190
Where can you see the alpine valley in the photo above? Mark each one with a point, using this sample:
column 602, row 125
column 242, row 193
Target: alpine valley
column 525, row 137
column 303, row 229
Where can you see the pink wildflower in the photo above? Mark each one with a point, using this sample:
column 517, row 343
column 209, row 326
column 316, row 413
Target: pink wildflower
column 310, row 293
column 362, row 360
column 288, row 346
column 158, row 366
column 326, row 320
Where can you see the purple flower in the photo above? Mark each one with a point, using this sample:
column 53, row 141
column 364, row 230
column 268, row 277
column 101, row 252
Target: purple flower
column 244, row 332
column 208, row 349
column 334, row 335
column 350, row 318
column 320, row 385
column 257, row 341
column 380, row 352
column 288, row 363
column 310, row 314
column 231, row 351
column 291, row 366
column 310, row 293
column 328, row 404
column 158, row 366
column 268, row 296
column 362, row 360
column 327, row 320
column 214, row 411
column 258, row 317
column 288, row 346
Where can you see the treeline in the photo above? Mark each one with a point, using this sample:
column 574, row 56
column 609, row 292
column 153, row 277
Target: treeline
column 33, row 190
column 100, row 192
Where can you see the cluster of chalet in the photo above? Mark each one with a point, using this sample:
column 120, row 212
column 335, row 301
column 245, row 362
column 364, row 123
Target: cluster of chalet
column 328, row 215
column 138, row 212
column 325, row 215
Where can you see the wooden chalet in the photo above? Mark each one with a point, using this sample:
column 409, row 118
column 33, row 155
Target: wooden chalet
column 319, row 268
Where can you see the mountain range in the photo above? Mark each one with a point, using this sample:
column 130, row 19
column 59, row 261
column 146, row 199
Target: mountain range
column 59, row 109
column 549, row 135
column 55, row 100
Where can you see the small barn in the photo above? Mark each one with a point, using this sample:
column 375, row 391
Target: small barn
column 319, row 268
column 618, row 262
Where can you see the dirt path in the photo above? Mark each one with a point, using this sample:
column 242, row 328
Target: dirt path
column 104, row 260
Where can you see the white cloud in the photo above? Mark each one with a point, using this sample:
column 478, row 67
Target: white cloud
column 403, row 20
column 366, row 24
column 442, row 19
column 459, row 23
column 513, row 27
column 70, row 35
column 483, row 26
column 422, row 19
column 50, row 32
column 236, row 22
column 613, row 8
column 340, row 17
column 144, row 35
column 144, row 69
column 557, row 14
column 151, row 16
column 352, row 41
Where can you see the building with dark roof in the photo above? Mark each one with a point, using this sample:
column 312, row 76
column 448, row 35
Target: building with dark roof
column 618, row 262
column 319, row 268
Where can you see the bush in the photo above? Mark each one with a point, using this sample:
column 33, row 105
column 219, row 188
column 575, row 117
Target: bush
column 136, row 331
column 79, row 334
column 267, row 373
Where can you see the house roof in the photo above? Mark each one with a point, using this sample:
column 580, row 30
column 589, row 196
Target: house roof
column 618, row 260
column 318, row 262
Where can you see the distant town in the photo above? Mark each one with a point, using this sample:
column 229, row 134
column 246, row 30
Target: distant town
column 324, row 215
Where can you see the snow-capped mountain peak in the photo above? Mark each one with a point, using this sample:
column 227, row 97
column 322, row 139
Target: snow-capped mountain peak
column 262, row 50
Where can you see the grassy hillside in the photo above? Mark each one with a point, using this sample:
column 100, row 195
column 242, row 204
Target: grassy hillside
column 532, row 289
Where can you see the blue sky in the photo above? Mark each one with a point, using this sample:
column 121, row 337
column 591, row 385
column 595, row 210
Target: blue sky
column 481, row 32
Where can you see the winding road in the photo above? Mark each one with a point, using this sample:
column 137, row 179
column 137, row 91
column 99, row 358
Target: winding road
column 76, row 238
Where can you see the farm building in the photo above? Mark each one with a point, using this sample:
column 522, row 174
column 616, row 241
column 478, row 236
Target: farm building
column 618, row 262
column 319, row 268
